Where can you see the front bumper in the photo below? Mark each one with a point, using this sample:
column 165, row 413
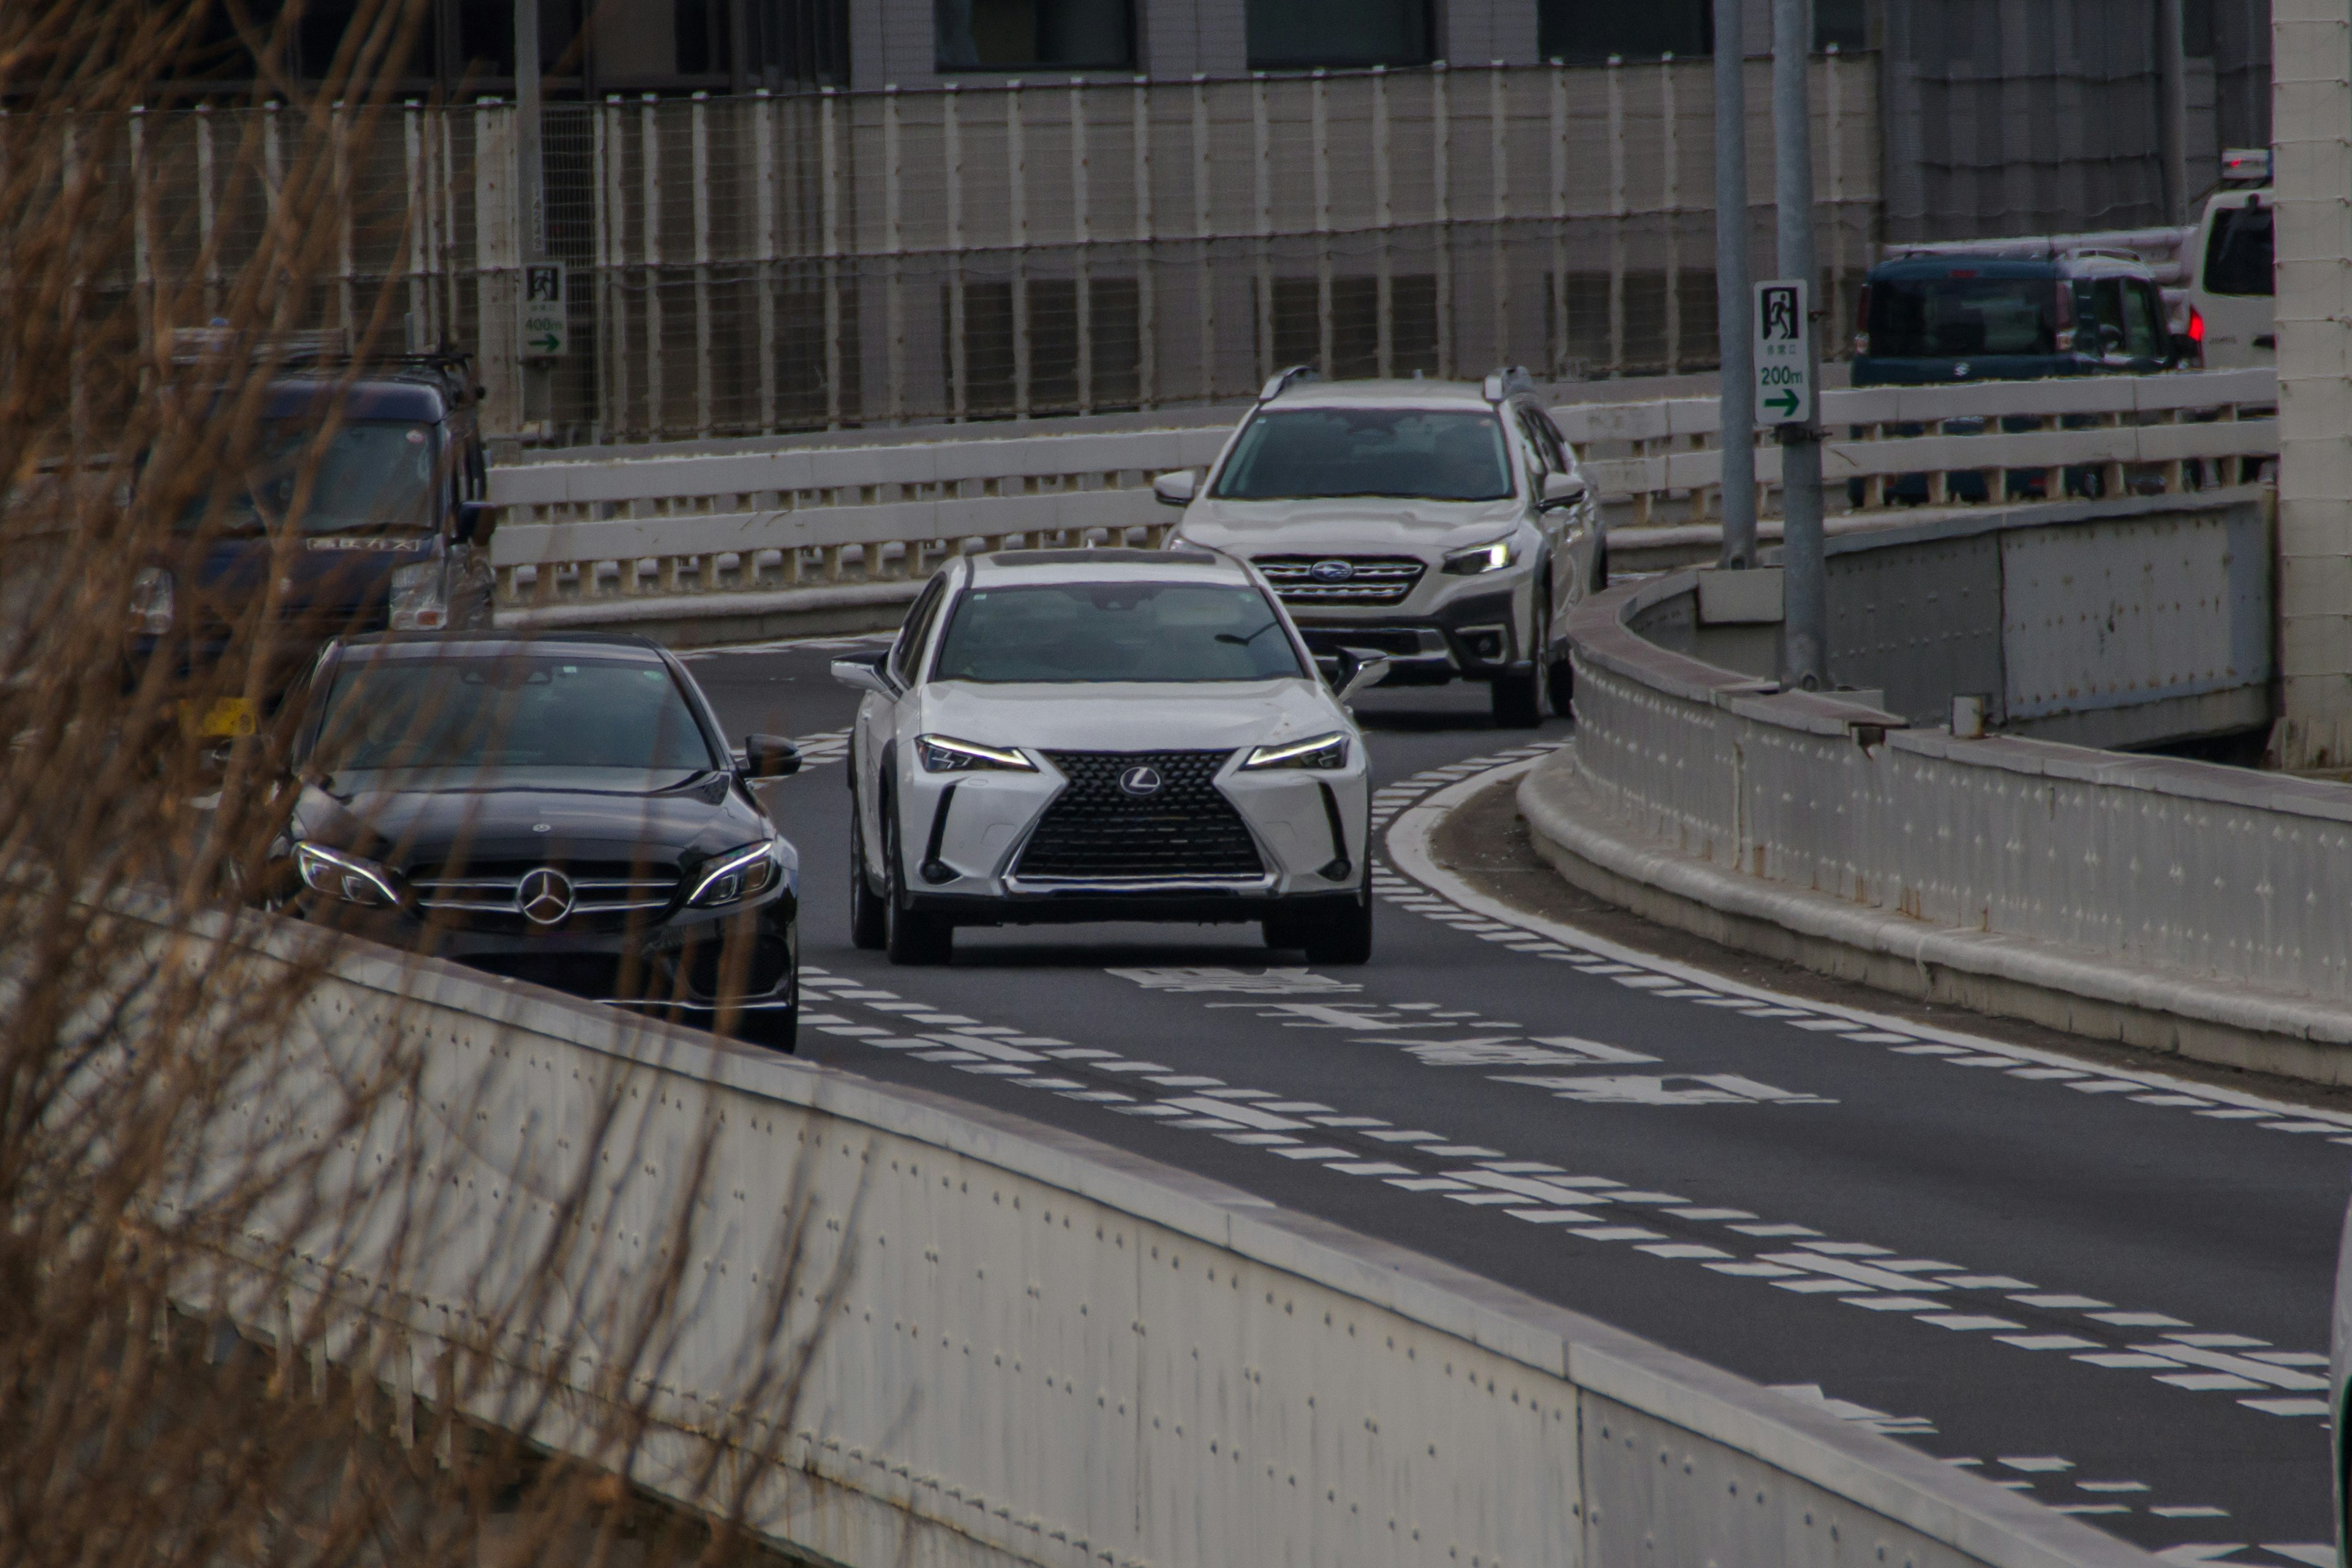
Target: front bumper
column 689, row 963
column 1466, row 636
column 965, row 836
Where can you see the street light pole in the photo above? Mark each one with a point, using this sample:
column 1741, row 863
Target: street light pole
column 530, row 198
column 1732, row 303
column 1804, row 652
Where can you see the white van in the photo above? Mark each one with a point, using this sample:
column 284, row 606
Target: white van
column 2230, row 295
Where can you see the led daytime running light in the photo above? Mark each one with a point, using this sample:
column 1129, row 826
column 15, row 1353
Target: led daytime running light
column 944, row 754
column 345, row 876
column 1324, row 751
column 743, row 865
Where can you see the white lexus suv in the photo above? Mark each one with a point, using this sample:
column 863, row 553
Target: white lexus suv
column 1102, row 735
column 1443, row 524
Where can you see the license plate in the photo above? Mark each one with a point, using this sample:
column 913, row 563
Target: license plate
column 228, row 716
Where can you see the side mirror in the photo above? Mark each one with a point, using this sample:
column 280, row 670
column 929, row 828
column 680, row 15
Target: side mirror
column 1358, row 669
column 1175, row 488
column 1561, row 490
column 476, row 521
column 769, row 757
column 863, row 672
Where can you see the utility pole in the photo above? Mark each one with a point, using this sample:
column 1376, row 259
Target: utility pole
column 530, row 193
column 1804, row 650
column 1732, row 304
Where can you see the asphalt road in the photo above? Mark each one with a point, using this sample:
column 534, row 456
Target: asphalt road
column 2098, row 1285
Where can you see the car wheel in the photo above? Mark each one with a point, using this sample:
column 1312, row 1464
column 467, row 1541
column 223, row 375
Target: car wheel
column 1517, row 703
column 868, row 921
column 1343, row 935
column 909, row 937
column 778, row 1028
column 1559, row 686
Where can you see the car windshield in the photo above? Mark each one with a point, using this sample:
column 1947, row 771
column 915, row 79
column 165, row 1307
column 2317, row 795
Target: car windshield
column 1958, row 315
column 512, row 710
column 1115, row 631
column 1307, row 453
column 369, row 474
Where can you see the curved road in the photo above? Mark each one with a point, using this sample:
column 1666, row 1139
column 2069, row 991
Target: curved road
column 2095, row 1284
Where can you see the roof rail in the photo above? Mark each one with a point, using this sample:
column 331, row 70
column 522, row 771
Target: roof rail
column 1281, row 383
column 1508, row 380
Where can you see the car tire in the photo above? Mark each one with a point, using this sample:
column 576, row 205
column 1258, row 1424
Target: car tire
column 1341, row 937
column 1518, row 704
column 868, row 920
column 1559, row 686
column 1283, row 931
column 909, row 937
column 778, row 1028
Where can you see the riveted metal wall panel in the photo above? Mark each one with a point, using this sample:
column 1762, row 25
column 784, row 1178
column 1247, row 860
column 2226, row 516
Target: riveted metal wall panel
column 1921, row 622
column 2115, row 615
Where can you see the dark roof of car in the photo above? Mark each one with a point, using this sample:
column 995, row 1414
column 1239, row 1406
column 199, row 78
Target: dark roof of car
column 422, row 397
column 491, row 644
column 1977, row 265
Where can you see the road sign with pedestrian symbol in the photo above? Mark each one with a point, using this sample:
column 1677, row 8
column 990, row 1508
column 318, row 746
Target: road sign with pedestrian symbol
column 546, row 333
column 1784, row 367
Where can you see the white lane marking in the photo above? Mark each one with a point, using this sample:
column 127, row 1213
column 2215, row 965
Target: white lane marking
column 794, row 645
column 1407, row 843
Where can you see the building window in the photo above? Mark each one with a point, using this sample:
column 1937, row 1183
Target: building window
column 1025, row 35
column 1299, row 34
column 1845, row 23
column 1588, row 32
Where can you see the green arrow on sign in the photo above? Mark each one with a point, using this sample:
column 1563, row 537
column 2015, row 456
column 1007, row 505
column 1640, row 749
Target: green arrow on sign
column 1786, row 405
column 550, row 342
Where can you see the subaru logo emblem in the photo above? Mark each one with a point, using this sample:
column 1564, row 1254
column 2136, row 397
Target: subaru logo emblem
column 544, row 895
column 1332, row 571
column 1140, row 780
column 1960, row 371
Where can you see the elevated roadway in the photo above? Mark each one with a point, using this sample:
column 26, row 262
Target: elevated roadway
column 2100, row 1286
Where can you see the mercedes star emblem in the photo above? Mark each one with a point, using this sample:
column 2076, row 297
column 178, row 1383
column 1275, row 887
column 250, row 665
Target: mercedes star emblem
column 545, row 896
column 1140, row 780
column 1332, row 571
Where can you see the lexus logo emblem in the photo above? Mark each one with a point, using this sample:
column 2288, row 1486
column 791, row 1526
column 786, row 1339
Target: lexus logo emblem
column 1140, row 780
column 1332, row 571
column 545, row 896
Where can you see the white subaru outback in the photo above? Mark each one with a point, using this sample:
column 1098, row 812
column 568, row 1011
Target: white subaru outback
column 1443, row 524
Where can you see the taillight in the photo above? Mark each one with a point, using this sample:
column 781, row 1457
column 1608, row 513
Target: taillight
column 2197, row 326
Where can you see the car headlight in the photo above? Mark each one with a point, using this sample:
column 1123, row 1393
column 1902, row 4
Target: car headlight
column 942, row 754
column 346, row 877
column 419, row 600
column 152, row 595
column 1324, row 754
column 1481, row 558
column 738, row 874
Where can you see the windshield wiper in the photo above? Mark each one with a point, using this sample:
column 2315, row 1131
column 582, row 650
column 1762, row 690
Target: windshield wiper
column 1245, row 642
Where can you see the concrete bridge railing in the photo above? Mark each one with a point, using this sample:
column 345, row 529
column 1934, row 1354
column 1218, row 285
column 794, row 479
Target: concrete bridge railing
column 1048, row 1352
column 2180, row 905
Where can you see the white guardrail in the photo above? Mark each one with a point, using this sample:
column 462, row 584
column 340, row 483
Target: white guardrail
column 2139, row 431
column 593, row 539
column 1049, row 1351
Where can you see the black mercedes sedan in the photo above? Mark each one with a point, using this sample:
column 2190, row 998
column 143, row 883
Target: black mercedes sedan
column 562, row 810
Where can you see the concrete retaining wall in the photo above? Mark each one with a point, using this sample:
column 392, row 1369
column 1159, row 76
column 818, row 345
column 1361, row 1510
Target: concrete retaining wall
column 1054, row 1353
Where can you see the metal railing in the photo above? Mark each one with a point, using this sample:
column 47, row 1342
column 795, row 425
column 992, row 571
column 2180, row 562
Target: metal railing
column 1997, row 439
column 745, row 266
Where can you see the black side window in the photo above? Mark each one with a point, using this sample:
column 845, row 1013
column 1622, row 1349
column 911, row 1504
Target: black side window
column 917, row 626
column 2238, row 256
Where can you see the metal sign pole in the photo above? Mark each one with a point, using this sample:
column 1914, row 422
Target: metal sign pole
column 1731, row 301
column 1804, row 650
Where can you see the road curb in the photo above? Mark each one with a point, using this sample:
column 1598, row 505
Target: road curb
column 2079, row 993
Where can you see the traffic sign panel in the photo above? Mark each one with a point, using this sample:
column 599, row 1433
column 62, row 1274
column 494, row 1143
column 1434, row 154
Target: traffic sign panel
column 1784, row 362
column 546, row 330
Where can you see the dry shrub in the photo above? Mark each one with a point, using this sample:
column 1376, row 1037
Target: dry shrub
column 197, row 1156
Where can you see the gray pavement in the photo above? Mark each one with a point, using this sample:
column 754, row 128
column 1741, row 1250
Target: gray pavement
column 2101, row 1286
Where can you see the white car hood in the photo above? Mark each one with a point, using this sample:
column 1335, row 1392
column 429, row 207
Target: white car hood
column 1351, row 523
column 1132, row 716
